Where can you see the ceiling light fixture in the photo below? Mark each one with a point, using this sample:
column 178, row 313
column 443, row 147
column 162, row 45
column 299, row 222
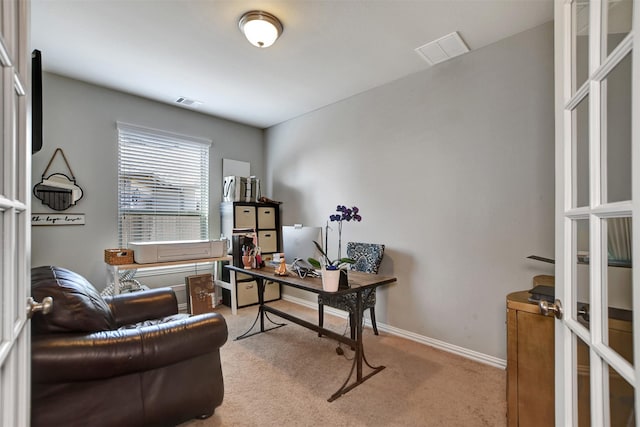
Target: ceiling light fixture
column 262, row 29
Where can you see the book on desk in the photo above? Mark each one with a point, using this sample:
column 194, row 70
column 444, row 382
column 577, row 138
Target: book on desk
column 543, row 289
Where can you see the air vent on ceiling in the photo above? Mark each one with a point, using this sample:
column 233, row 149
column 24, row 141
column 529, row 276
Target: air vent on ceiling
column 188, row 102
column 442, row 49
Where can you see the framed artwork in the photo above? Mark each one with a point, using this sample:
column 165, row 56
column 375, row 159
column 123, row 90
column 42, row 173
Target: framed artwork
column 200, row 293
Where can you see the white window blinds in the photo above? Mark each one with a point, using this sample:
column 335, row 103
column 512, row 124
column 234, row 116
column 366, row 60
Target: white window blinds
column 163, row 186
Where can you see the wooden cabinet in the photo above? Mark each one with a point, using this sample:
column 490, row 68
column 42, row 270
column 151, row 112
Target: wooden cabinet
column 264, row 218
column 531, row 361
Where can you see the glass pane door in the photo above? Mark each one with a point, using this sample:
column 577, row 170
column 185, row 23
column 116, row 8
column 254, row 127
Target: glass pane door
column 597, row 197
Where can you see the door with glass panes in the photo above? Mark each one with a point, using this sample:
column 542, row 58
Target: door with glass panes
column 597, row 205
column 15, row 198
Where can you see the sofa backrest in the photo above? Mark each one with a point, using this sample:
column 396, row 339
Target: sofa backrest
column 77, row 305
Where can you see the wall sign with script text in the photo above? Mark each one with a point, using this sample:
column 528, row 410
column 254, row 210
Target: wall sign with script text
column 57, row 219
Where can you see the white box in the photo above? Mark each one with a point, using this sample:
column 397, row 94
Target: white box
column 152, row 252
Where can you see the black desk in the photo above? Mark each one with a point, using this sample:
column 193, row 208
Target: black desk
column 360, row 284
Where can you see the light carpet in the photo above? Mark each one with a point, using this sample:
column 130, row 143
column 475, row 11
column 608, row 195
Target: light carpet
column 285, row 376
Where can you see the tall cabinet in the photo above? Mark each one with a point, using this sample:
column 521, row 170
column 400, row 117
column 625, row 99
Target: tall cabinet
column 264, row 218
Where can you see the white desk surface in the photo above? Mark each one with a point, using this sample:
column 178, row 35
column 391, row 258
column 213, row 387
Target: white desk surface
column 136, row 266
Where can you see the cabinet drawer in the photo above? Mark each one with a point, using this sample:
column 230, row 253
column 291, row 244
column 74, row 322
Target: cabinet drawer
column 266, row 217
column 247, row 293
column 245, row 217
column 268, row 240
column 242, row 276
column 271, row 291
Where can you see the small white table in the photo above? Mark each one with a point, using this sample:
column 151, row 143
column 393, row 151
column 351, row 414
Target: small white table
column 113, row 276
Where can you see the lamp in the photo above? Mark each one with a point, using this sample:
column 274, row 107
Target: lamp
column 262, row 29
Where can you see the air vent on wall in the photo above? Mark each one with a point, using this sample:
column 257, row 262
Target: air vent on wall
column 188, row 102
column 442, row 49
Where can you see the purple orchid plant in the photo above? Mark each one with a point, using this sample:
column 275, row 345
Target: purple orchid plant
column 344, row 214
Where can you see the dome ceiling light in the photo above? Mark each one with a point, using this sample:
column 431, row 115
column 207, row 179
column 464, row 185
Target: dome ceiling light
column 262, row 29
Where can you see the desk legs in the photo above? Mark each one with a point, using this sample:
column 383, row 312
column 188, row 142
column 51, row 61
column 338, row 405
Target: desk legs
column 230, row 286
column 261, row 286
column 113, row 278
column 359, row 347
column 359, row 356
column 261, row 313
column 234, row 293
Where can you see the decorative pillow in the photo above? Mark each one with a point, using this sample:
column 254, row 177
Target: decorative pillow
column 367, row 256
column 154, row 322
column 77, row 305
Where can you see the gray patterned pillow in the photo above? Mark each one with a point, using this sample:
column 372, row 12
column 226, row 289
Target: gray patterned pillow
column 368, row 256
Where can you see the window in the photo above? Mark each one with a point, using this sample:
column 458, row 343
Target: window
column 163, row 186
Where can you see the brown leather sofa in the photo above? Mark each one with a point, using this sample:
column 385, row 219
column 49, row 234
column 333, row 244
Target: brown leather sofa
column 126, row 360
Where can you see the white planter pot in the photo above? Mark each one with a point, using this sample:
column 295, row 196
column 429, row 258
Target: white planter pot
column 330, row 280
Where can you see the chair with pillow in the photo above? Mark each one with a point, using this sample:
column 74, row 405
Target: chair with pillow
column 367, row 257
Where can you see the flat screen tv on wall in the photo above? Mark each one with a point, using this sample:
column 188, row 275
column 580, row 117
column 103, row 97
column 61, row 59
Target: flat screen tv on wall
column 36, row 101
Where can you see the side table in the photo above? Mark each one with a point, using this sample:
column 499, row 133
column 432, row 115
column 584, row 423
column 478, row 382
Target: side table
column 113, row 273
column 530, row 363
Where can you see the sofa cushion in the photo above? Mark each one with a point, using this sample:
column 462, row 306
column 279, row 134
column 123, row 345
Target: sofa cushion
column 77, row 305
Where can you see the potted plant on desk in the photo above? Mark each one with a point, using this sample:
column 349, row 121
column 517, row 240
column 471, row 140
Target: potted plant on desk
column 334, row 273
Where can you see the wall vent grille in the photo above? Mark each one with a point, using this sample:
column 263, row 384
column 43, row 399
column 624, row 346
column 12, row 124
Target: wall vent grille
column 188, row 102
column 443, row 48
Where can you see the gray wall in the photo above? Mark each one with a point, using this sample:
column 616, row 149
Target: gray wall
column 453, row 169
column 81, row 119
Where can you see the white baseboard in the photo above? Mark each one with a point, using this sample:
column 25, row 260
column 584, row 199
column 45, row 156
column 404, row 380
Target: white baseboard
column 441, row 345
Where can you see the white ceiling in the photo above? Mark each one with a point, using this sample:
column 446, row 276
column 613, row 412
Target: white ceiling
column 329, row 50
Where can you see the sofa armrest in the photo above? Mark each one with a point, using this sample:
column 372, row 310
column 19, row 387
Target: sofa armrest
column 136, row 307
column 85, row 357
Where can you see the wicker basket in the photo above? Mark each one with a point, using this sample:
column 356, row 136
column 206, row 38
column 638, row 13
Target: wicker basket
column 118, row 256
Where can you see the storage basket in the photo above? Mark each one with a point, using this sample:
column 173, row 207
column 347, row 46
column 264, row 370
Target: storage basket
column 118, row 256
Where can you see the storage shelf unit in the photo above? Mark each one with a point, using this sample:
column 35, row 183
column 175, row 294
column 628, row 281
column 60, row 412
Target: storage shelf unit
column 265, row 219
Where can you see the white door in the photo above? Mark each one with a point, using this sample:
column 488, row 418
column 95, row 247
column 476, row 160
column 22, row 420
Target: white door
column 597, row 208
column 15, row 196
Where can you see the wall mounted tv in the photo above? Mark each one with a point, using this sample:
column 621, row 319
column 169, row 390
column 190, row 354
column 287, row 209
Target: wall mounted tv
column 36, row 101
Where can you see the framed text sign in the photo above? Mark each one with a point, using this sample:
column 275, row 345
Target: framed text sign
column 57, row 219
